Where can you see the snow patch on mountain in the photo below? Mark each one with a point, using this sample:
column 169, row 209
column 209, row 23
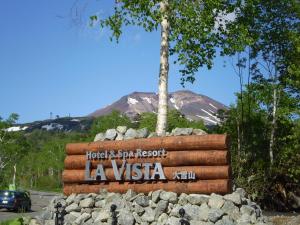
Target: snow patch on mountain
column 132, row 101
column 213, row 106
column 207, row 119
column 147, row 99
column 172, row 100
column 15, row 128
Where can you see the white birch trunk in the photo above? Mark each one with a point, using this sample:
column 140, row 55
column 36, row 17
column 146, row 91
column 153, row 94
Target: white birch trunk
column 163, row 73
column 273, row 125
column 14, row 176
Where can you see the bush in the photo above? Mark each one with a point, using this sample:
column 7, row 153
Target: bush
column 175, row 119
column 112, row 120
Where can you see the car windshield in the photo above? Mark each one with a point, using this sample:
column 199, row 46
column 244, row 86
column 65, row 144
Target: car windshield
column 6, row 194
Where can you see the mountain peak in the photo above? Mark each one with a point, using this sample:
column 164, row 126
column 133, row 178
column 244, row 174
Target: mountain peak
column 194, row 106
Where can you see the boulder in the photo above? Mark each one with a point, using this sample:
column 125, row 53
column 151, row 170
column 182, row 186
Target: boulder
column 130, row 134
column 121, row 129
column 110, row 134
column 99, row 137
column 182, row 131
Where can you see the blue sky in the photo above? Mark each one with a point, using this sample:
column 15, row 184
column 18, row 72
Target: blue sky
column 49, row 63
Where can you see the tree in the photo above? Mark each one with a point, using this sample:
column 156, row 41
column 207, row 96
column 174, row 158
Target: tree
column 175, row 119
column 274, row 28
column 112, row 120
column 6, row 139
column 191, row 30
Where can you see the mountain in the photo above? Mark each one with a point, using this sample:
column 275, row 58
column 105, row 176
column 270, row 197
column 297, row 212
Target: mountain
column 65, row 124
column 193, row 106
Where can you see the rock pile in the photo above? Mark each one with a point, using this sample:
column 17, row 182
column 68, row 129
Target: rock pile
column 156, row 208
column 122, row 133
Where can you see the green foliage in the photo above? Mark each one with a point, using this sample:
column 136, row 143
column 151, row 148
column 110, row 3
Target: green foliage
column 148, row 120
column 196, row 28
column 112, row 120
column 175, row 119
column 18, row 221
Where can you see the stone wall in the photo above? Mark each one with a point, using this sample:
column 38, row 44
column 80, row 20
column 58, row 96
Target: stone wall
column 156, row 208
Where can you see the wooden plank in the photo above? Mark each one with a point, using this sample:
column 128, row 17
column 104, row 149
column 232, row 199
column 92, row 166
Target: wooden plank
column 201, row 173
column 198, row 187
column 172, row 159
column 173, row 143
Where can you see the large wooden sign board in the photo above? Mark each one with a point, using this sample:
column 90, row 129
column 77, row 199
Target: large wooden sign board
column 189, row 164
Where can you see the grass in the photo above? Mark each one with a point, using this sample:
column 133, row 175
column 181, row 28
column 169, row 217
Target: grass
column 17, row 221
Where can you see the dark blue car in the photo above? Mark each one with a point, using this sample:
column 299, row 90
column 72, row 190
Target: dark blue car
column 15, row 200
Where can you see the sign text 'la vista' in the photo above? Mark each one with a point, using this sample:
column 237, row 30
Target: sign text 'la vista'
column 129, row 171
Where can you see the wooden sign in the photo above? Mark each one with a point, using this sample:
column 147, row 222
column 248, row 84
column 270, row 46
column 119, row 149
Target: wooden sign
column 189, row 164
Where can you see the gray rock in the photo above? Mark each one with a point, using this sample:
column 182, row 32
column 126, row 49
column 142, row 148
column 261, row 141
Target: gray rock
column 168, row 196
column 142, row 200
column 137, row 218
column 138, row 209
column 121, row 129
column 89, row 222
column 152, row 134
column 102, row 216
column 183, row 199
column 86, row 210
column 182, row 131
column 162, row 205
column 155, row 196
column 119, row 137
column 110, row 134
column 99, row 137
column 241, row 192
column 82, row 218
column 100, row 204
column 112, row 197
column 49, row 222
column 129, row 195
column 248, row 210
column 199, row 132
column 231, row 210
column 76, row 214
column 203, row 213
column 47, row 215
column 142, row 133
column 130, row 134
column 92, row 195
column 70, row 199
column 70, row 218
column 225, row 221
column 234, row 197
column 244, row 219
column 87, row 203
column 172, row 221
column 195, row 222
column 196, row 199
column 192, row 212
column 149, row 215
column 73, row 207
column 125, row 218
column 215, row 214
column 162, row 219
column 216, row 201
column 79, row 197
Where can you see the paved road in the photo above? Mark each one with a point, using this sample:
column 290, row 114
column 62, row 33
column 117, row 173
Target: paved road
column 39, row 200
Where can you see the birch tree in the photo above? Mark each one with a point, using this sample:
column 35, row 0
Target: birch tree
column 192, row 31
column 274, row 26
